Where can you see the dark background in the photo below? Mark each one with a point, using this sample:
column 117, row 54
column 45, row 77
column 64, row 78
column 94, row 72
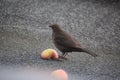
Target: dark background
column 24, row 34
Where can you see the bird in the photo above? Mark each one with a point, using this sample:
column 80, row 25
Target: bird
column 66, row 43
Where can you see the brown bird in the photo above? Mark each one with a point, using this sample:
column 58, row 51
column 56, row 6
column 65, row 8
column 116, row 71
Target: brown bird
column 67, row 43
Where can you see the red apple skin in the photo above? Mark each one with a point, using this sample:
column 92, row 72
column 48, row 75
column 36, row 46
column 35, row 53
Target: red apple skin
column 59, row 74
column 55, row 54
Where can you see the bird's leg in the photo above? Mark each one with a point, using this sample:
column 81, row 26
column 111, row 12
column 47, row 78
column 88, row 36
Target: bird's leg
column 65, row 54
column 61, row 56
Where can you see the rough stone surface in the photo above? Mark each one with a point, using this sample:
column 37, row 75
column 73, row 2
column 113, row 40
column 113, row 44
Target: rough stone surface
column 24, row 34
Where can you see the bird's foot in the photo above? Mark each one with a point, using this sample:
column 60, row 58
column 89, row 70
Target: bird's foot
column 62, row 57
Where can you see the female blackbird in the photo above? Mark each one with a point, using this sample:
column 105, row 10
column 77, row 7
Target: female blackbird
column 66, row 43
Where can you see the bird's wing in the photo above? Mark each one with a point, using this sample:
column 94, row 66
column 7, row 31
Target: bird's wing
column 63, row 42
column 66, row 41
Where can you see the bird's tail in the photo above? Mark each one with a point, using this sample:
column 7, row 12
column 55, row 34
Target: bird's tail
column 87, row 51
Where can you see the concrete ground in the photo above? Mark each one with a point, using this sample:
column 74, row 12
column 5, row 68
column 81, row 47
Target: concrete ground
column 24, row 34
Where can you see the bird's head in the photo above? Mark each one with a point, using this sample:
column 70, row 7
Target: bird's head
column 55, row 27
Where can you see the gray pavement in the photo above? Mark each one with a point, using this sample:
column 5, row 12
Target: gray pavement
column 24, row 34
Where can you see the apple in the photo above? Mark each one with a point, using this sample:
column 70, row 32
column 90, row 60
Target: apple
column 49, row 54
column 59, row 74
